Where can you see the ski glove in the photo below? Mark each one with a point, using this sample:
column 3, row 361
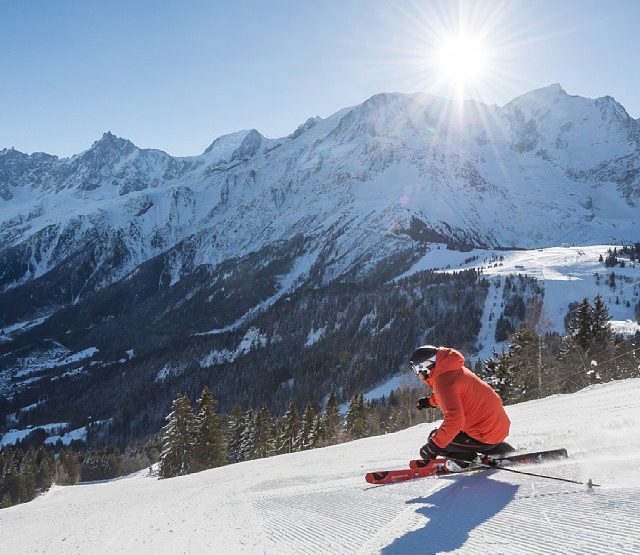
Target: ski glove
column 431, row 451
column 427, row 453
column 423, row 403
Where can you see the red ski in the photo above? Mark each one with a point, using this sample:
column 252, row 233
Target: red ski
column 436, row 467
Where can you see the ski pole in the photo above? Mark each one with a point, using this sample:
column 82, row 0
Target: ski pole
column 589, row 484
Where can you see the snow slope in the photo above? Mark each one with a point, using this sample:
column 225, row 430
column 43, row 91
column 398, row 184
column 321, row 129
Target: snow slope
column 567, row 275
column 318, row 501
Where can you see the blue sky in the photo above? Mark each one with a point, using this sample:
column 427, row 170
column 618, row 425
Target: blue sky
column 175, row 75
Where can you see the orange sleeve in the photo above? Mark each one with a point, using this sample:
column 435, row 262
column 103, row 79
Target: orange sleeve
column 451, row 407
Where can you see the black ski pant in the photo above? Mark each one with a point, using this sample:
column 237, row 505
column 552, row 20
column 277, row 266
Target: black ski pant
column 465, row 448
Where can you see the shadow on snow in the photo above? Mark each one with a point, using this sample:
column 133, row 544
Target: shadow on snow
column 453, row 512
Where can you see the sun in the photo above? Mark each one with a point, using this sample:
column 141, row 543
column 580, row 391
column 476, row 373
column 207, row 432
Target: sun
column 462, row 59
column 460, row 50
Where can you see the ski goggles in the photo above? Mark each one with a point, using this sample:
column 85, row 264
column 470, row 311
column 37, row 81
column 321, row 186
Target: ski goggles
column 425, row 366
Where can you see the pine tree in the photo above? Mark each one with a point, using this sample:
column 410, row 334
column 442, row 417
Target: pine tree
column 317, row 432
column 28, row 474
column 277, row 436
column 304, row 435
column 393, row 421
column 45, row 468
column 525, row 367
column 601, row 332
column 249, row 436
column 498, row 374
column 209, row 442
column 580, row 325
column 331, row 421
column 176, row 458
column 355, row 423
column 67, row 468
column 235, row 428
column 264, row 435
column 290, row 429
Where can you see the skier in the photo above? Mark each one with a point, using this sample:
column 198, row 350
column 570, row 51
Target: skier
column 474, row 418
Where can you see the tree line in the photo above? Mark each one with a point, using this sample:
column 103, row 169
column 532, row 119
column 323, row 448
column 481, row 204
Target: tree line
column 611, row 260
column 199, row 441
column 25, row 473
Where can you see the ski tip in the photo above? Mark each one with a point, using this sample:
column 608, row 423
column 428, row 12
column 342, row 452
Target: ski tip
column 376, row 477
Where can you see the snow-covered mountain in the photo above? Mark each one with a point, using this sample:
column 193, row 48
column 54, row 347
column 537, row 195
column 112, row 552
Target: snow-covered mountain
column 544, row 169
column 318, row 502
column 295, row 241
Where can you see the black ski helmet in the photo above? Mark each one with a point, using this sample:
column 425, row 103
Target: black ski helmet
column 423, row 359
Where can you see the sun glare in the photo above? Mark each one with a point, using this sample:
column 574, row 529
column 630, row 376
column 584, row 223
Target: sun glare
column 462, row 59
column 460, row 50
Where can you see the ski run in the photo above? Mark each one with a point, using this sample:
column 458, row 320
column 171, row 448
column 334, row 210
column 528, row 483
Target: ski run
column 318, row 501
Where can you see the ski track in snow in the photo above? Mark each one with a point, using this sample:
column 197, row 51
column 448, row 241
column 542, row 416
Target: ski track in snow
column 318, row 501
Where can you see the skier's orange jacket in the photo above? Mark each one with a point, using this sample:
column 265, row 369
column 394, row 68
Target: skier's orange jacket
column 468, row 404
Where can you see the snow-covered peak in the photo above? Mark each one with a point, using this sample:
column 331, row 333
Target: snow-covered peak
column 110, row 143
column 553, row 102
column 544, row 94
column 384, row 114
column 240, row 145
column 544, row 97
column 311, row 122
column 224, row 146
column 249, row 146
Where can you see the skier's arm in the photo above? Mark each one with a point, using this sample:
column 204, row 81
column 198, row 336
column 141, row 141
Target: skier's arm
column 451, row 406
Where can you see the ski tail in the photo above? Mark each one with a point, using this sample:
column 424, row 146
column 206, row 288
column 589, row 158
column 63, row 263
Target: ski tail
column 393, row 476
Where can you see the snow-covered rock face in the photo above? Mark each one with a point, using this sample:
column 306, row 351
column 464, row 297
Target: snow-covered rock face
column 546, row 168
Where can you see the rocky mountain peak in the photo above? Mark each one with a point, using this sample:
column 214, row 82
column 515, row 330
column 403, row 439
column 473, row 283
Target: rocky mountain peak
column 311, row 122
column 112, row 143
column 249, row 145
